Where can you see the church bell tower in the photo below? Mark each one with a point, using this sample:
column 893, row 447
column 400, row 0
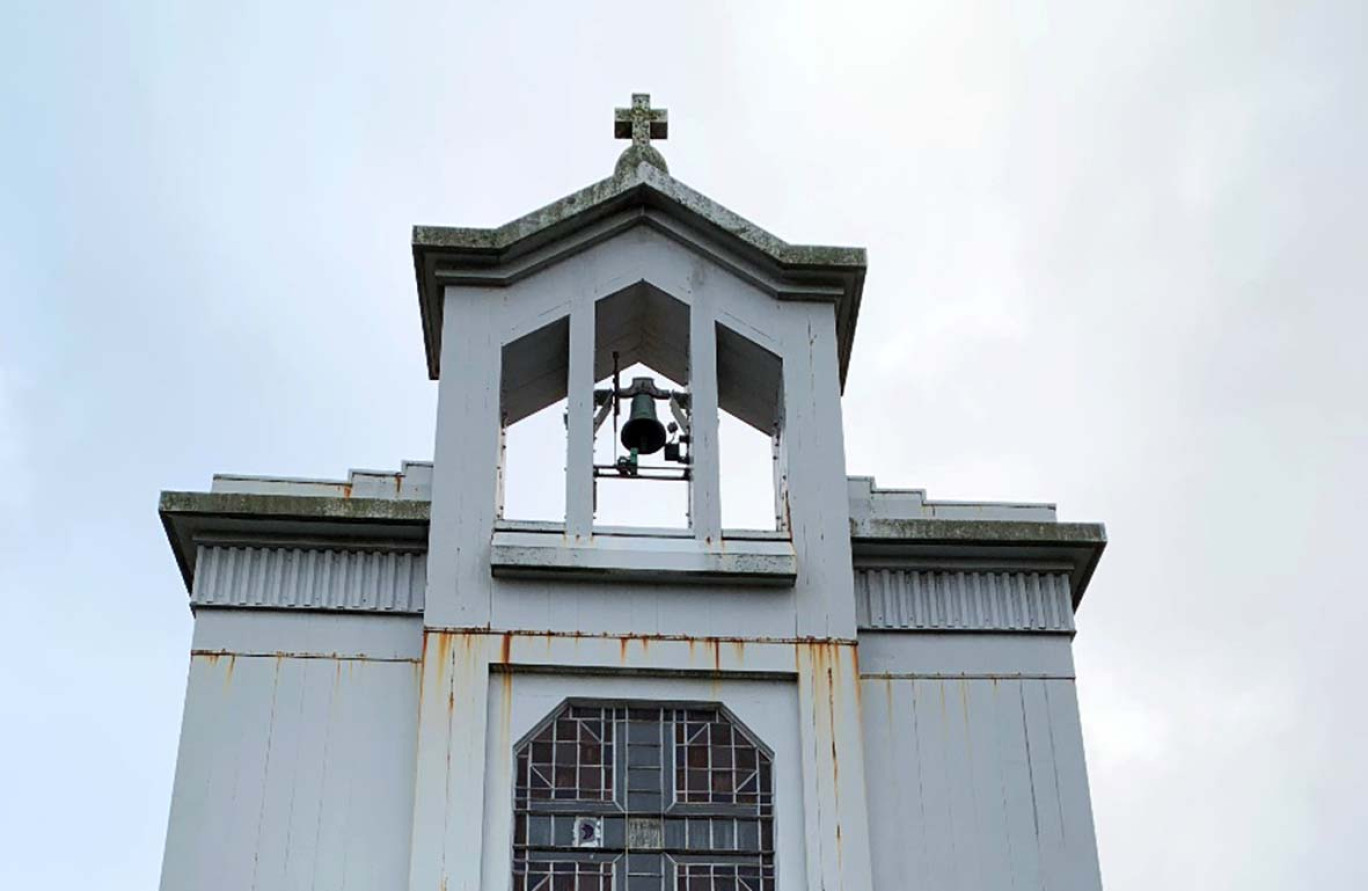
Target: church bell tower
column 396, row 682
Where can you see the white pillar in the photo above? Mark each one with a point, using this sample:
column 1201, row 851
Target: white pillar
column 579, row 459
column 705, row 509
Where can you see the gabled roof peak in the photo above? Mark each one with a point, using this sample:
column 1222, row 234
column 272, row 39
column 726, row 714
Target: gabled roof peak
column 445, row 255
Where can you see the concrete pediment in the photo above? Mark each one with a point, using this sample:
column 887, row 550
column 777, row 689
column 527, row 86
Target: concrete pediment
column 644, row 195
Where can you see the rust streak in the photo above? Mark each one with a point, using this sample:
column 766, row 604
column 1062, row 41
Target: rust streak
column 443, row 656
column 506, row 649
column 594, row 635
column 835, row 766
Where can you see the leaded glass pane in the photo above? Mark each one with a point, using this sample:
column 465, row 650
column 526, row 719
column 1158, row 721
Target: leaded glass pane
column 642, row 797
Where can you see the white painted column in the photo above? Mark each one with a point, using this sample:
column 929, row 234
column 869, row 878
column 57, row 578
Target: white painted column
column 448, row 801
column 579, row 459
column 836, row 815
column 705, row 508
column 465, row 475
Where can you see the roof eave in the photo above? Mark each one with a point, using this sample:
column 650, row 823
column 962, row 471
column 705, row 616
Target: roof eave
column 191, row 518
column 646, row 186
column 1080, row 545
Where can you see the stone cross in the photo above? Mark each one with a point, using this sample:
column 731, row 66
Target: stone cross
column 641, row 123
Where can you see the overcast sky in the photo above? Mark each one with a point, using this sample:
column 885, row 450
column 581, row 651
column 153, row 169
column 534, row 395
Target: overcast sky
column 1117, row 262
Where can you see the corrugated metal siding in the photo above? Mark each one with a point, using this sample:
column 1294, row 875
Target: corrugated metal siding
column 977, row 784
column 309, row 578
column 962, row 600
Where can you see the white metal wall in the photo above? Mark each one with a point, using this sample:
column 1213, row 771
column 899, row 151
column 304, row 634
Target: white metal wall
column 295, row 768
column 977, row 778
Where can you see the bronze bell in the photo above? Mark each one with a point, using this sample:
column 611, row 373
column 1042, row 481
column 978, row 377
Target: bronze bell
column 643, row 431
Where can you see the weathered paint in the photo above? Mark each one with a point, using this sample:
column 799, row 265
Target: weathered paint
column 707, row 279
column 977, row 783
column 331, row 703
column 293, row 773
column 476, row 679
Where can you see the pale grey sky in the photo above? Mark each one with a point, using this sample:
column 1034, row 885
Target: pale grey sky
column 1117, row 262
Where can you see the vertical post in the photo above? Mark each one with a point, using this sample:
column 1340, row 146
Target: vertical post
column 579, row 432
column 779, row 465
column 501, row 482
column 705, row 508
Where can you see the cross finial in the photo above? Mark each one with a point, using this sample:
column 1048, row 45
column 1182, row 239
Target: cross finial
column 641, row 123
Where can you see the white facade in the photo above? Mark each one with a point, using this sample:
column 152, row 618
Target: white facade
column 375, row 662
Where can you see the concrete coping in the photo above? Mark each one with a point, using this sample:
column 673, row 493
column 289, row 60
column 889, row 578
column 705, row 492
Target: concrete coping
column 892, row 528
column 412, row 482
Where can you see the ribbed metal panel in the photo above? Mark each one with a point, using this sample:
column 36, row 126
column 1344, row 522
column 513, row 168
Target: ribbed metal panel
column 916, row 599
column 309, row 578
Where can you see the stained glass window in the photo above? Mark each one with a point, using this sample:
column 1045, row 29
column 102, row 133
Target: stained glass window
column 634, row 796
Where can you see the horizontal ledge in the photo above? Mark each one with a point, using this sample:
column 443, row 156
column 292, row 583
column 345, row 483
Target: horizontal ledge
column 557, row 528
column 633, row 559
column 965, row 676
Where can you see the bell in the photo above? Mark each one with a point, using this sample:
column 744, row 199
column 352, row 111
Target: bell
column 643, row 432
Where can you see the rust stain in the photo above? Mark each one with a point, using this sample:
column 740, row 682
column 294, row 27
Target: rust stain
column 420, row 668
column 443, row 655
column 835, row 766
column 831, row 718
column 506, row 695
column 228, row 675
column 548, row 636
column 346, row 490
column 855, row 673
column 622, row 650
column 716, row 648
column 739, row 651
column 964, row 706
column 506, row 649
